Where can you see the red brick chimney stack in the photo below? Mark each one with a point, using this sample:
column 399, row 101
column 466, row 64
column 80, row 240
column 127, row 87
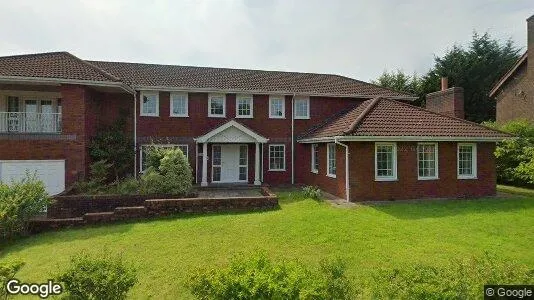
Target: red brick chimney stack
column 448, row 101
column 444, row 83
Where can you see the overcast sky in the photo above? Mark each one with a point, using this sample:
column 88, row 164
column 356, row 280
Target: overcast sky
column 359, row 39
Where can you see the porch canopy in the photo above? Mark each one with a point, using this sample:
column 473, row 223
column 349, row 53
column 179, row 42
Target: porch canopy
column 231, row 132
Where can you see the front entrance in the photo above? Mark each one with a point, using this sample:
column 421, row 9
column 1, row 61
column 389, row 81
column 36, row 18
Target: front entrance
column 229, row 163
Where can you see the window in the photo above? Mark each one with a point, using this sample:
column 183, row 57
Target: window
column 150, row 104
column 243, row 104
column 385, row 161
column 277, row 158
column 467, row 161
column 302, row 108
column 146, row 148
column 277, row 107
column 243, row 163
column 216, row 163
column 331, row 162
column 217, row 106
column 315, row 158
column 179, row 105
column 427, row 161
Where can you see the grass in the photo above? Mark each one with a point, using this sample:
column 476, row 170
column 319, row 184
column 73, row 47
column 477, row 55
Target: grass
column 165, row 251
column 515, row 190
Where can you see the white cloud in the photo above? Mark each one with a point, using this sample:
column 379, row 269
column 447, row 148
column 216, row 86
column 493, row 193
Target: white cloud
column 353, row 38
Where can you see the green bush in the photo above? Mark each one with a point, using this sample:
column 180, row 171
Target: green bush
column 460, row 279
column 113, row 145
column 99, row 277
column 312, row 192
column 127, row 186
column 257, row 277
column 99, row 171
column 173, row 176
column 20, row 201
column 7, row 272
column 515, row 157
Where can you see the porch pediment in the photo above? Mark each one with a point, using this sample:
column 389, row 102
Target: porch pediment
column 231, row 132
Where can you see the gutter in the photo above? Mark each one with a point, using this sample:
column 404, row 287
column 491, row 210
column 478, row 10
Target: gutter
column 48, row 80
column 347, row 181
column 403, row 138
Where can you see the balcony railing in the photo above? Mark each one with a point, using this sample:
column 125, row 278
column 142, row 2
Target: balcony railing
column 28, row 122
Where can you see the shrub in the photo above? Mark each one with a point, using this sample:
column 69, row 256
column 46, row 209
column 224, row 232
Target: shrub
column 460, row 279
column 127, row 186
column 515, row 157
column 114, row 146
column 99, row 277
column 312, row 192
column 99, row 171
column 20, row 201
column 8, row 272
column 173, row 176
column 257, row 277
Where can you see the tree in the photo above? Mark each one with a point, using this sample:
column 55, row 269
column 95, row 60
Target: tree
column 476, row 68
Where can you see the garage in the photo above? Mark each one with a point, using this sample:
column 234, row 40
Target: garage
column 51, row 172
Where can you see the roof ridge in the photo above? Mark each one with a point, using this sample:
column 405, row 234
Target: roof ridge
column 100, row 70
column 34, row 54
column 446, row 116
column 377, row 85
column 362, row 114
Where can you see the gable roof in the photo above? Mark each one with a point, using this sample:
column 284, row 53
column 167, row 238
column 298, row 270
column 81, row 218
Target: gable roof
column 61, row 65
column 146, row 76
column 231, row 124
column 382, row 118
column 522, row 60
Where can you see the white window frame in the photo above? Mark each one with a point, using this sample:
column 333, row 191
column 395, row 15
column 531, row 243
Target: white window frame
column 162, row 146
column 307, row 100
column 149, row 93
column 314, row 158
column 284, row 158
column 271, row 99
column 473, row 161
column 251, row 102
column 328, row 151
column 172, row 114
column 436, row 162
column 223, row 115
column 394, row 164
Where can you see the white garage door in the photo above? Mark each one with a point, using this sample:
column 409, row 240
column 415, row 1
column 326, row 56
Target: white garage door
column 51, row 172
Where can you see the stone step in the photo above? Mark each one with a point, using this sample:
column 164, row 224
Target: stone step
column 130, row 211
column 99, row 217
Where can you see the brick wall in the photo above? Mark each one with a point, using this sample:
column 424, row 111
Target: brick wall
column 516, row 98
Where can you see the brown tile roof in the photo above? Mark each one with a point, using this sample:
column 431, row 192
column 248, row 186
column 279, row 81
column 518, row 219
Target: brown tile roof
column 58, row 65
column 241, row 80
column 384, row 117
column 522, row 60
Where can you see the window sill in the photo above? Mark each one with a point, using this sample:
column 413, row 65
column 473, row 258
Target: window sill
column 244, row 117
column 273, row 117
column 144, row 115
column 315, row 171
column 331, row 175
column 179, row 116
column 466, row 177
column 302, row 118
column 277, row 170
column 386, row 179
column 427, row 178
column 216, row 116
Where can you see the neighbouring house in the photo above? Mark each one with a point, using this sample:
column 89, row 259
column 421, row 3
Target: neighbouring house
column 514, row 92
column 353, row 139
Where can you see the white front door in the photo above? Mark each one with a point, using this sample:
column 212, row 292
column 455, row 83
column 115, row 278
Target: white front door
column 229, row 163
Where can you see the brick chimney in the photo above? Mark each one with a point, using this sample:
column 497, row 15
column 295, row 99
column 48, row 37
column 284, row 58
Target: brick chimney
column 530, row 47
column 448, row 101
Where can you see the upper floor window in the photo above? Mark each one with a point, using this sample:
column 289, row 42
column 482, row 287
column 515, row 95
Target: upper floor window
column 467, row 161
column 302, row 108
column 179, row 105
column 315, row 158
column 277, row 157
column 427, row 161
column 385, row 161
column 217, row 105
column 150, row 104
column 277, row 107
column 331, row 162
column 243, row 106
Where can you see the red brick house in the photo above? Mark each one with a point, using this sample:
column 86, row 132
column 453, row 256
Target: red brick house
column 353, row 139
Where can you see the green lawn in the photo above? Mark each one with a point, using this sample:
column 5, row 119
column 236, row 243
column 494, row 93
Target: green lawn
column 367, row 237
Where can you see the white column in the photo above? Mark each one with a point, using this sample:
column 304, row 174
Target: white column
column 257, row 166
column 204, row 165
